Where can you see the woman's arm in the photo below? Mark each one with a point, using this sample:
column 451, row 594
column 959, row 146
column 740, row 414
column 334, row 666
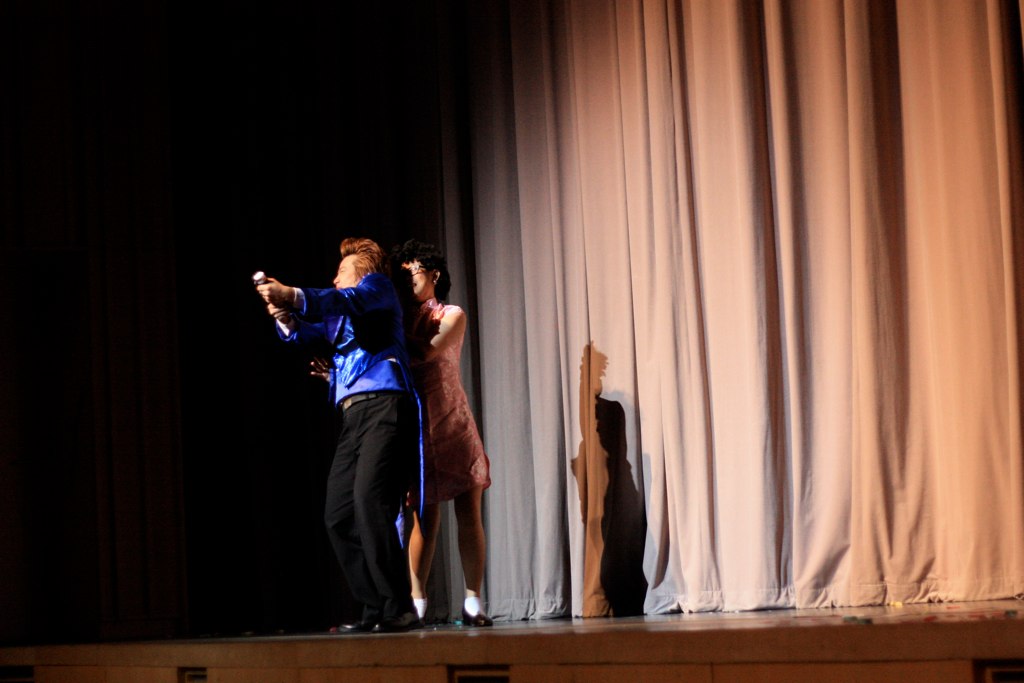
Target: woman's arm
column 450, row 330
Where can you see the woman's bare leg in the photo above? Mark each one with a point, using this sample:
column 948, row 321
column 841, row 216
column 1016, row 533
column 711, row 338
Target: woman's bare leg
column 472, row 544
column 422, row 542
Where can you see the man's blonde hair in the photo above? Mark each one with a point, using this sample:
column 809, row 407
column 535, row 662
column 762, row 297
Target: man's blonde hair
column 370, row 258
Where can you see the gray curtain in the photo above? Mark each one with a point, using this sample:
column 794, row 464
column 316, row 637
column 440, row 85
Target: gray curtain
column 748, row 278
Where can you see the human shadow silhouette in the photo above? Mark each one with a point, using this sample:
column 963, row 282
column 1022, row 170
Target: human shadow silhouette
column 612, row 510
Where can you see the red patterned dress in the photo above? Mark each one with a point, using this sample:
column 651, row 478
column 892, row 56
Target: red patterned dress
column 454, row 458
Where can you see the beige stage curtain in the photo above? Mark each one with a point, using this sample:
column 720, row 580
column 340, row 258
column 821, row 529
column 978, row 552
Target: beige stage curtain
column 750, row 292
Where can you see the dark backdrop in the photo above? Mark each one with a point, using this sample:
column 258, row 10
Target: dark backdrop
column 163, row 456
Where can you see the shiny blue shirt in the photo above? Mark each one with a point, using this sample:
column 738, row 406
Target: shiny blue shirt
column 364, row 324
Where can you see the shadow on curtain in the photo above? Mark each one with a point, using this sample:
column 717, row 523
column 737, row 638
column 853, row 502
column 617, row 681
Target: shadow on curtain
column 611, row 509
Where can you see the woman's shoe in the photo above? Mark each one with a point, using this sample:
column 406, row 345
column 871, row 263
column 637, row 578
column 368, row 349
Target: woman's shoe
column 479, row 619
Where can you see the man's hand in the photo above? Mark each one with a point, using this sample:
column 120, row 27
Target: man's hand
column 276, row 294
column 282, row 315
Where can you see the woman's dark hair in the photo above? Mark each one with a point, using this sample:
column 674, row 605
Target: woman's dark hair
column 429, row 256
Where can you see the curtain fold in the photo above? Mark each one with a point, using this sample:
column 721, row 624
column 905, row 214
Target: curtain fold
column 749, row 289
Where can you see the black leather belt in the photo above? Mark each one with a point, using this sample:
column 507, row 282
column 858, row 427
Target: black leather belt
column 350, row 401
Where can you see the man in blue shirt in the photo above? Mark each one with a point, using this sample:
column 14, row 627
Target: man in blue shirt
column 375, row 459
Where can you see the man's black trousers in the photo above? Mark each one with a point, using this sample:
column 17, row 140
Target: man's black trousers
column 374, row 463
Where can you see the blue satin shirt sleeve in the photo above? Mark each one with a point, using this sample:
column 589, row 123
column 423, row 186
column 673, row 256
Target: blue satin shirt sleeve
column 374, row 292
column 306, row 332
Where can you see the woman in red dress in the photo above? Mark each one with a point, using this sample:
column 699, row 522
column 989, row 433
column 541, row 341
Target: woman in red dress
column 455, row 465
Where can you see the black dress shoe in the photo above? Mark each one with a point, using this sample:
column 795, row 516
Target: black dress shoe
column 478, row 619
column 399, row 624
column 354, row 627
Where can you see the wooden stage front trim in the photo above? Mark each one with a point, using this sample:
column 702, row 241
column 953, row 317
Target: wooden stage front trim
column 968, row 642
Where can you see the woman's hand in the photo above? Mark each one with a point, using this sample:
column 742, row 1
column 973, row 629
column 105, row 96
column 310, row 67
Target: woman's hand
column 320, row 367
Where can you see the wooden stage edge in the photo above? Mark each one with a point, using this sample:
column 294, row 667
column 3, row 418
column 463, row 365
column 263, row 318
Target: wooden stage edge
column 977, row 642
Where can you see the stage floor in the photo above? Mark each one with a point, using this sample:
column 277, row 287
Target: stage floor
column 974, row 642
